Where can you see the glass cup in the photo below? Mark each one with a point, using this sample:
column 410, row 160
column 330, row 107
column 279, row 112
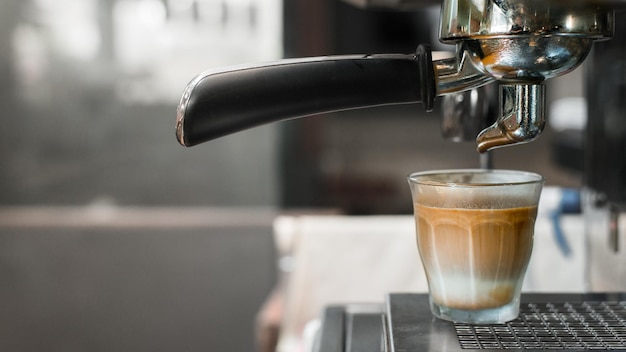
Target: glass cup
column 475, row 236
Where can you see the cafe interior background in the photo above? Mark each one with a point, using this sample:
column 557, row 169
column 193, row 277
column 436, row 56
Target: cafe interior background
column 115, row 238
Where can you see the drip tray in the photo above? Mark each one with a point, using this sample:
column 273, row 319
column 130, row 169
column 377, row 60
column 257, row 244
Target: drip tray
column 553, row 325
column 546, row 322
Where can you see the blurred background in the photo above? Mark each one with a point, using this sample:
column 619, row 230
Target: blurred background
column 115, row 238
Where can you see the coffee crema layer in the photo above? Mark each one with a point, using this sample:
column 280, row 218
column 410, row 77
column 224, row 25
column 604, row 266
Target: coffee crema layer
column 474, row 258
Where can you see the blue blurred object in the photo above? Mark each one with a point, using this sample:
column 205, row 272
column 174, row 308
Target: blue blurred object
column 569, row 204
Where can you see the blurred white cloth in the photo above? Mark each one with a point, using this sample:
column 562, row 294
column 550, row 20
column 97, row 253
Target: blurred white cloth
column 550, row 268
column 344, row 259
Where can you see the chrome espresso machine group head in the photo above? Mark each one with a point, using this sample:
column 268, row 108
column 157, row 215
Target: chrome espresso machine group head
column 518, row 43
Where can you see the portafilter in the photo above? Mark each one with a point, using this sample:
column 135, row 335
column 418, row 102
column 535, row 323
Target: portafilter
column 520, row 43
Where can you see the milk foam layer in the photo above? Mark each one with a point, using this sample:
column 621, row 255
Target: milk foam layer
column 463, row 292
column 477, row 189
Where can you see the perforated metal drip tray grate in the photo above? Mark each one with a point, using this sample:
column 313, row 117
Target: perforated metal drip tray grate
column 563, row 325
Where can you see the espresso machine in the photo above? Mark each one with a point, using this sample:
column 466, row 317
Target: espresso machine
column 505, row 50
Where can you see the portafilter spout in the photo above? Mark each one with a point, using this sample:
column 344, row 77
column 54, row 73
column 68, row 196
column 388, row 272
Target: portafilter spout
column 520, row 43
column 521, row 120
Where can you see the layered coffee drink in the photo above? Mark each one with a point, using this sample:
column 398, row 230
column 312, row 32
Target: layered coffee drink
column 474, row 258
column 475, row 236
